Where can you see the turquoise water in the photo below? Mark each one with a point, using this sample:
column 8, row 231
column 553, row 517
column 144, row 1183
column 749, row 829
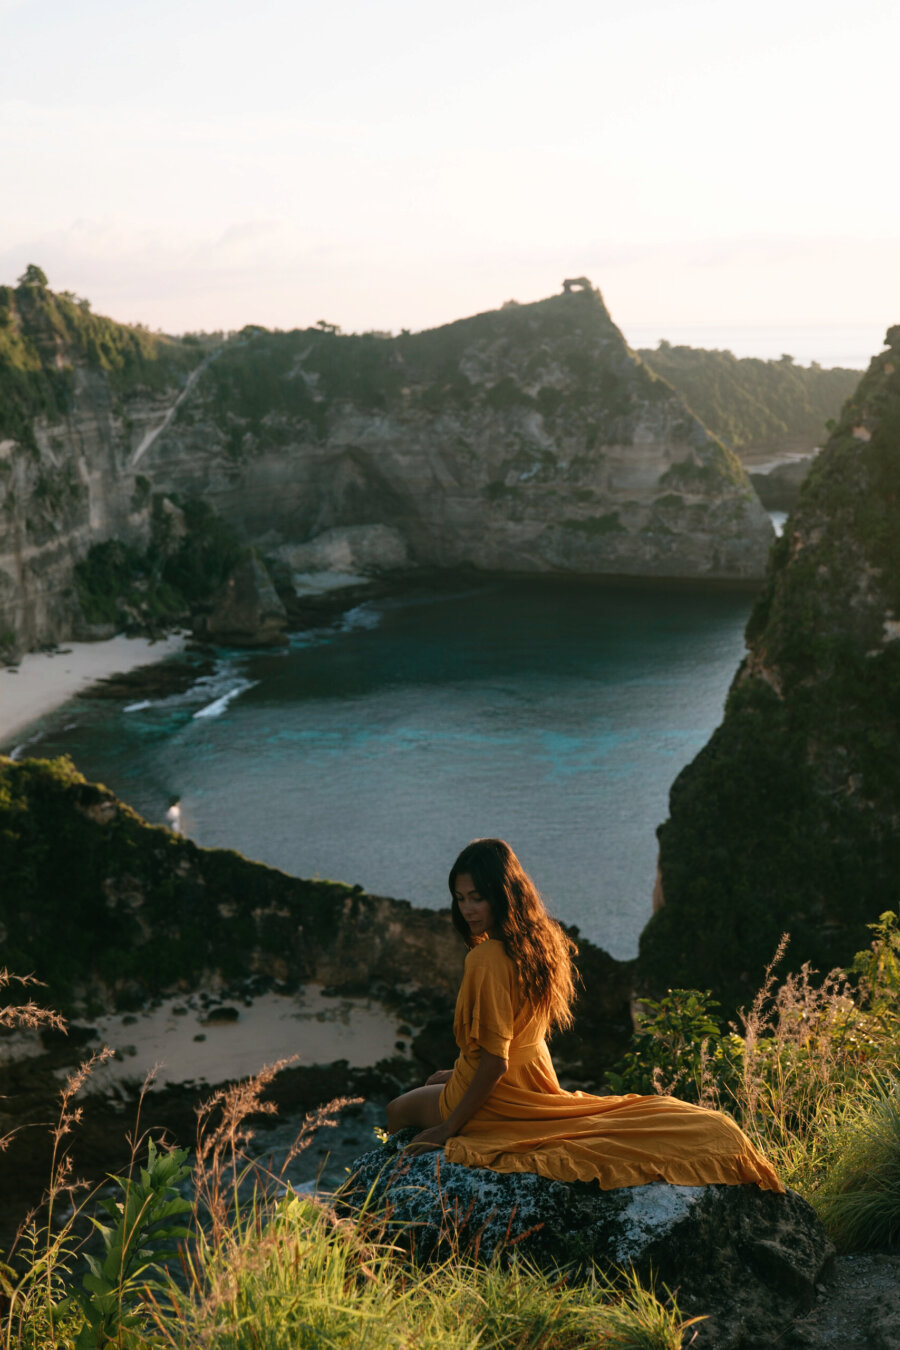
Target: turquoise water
column 555, row 714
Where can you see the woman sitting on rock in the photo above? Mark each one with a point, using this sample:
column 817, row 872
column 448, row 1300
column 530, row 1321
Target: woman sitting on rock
column 501, row 1105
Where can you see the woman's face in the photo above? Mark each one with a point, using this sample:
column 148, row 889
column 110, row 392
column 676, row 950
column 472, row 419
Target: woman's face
column 476, row 912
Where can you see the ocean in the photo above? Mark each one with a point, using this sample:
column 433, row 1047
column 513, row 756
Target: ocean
column 554, row 713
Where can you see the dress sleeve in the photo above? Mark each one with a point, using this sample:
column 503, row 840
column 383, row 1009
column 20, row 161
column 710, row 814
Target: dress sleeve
column 486, row 999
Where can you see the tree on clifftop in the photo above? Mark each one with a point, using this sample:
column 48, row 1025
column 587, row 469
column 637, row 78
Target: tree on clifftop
column 33, row 276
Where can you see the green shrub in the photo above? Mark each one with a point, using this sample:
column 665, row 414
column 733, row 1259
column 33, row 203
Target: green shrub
column 678, row 1047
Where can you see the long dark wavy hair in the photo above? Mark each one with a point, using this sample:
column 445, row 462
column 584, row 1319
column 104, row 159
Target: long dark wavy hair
column 536, row 944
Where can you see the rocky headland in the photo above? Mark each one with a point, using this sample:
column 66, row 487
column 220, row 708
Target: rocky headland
column 525, row 439
column 788, row 819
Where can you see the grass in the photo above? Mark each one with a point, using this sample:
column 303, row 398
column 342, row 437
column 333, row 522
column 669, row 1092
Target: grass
column 300, row 1277
column 810, row 1071
column 860, row 1197
column 812, row 1076
column 259, row 1268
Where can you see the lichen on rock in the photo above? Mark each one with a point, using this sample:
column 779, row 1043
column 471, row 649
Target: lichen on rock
column 746, row 1260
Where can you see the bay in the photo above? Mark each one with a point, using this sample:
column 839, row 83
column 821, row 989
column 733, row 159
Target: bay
column 553, row 713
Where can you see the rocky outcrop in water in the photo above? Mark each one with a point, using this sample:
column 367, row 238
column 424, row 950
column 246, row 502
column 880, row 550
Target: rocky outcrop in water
column 246, row 611
column 525, row 439
column 789, row 819
column 747, row 1260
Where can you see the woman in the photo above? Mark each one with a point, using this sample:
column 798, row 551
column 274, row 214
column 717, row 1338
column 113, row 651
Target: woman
column 501, row 1105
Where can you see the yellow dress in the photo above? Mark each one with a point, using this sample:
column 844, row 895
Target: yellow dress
column 530, row 1124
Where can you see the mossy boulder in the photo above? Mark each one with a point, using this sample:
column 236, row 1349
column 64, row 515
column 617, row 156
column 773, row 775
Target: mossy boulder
column 747, row 1260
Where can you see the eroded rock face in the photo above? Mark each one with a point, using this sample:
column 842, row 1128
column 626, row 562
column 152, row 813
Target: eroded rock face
column 365, row 549
column 747, row 1260
column 527, row 439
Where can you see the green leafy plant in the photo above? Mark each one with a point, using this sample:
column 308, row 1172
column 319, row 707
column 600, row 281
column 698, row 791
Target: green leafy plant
column 146, row 1226
column 679, row 1047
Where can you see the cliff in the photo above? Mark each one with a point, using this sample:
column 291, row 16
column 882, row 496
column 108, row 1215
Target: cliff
column 524, row 439
column 111, row 911
column 757, row 407
column 78, row 396
column 790, row 817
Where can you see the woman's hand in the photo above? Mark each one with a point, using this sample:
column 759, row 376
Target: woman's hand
column 442, row 1076
column 435, row 1136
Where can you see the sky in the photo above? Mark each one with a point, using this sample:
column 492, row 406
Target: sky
column 714, row 168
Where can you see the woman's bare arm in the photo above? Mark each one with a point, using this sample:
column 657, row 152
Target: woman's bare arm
column 490, row 1070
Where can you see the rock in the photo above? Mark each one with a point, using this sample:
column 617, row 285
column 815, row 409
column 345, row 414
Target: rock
column 246, row 611
column 779, row 488
column 160, row 680
column 748, row 1260
column 220, row 1016
column 82, row 631
column 352, row 549
column 786, row 821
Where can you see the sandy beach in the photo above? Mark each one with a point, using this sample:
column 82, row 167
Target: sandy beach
column 190, row 1042
column 197, row 1038
column 45, row 680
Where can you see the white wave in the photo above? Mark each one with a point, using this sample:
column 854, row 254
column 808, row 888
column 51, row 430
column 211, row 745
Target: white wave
column 362, row 616
column 19, row 750
column 218, row 706
column 138, row 707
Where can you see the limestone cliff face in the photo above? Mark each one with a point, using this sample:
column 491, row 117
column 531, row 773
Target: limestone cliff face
column 78, row 396
column 527, row 439
column 789, row 819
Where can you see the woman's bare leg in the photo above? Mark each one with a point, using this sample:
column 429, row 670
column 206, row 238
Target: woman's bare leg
column 419, row 1108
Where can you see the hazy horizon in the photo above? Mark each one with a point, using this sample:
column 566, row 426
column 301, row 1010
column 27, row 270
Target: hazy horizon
column 203, row 165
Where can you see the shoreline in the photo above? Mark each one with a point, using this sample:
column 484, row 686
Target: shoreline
column 44, row 681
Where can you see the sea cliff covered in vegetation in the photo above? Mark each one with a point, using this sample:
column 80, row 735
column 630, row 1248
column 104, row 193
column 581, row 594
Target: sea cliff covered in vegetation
column 788, row 819
column 755, row 406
